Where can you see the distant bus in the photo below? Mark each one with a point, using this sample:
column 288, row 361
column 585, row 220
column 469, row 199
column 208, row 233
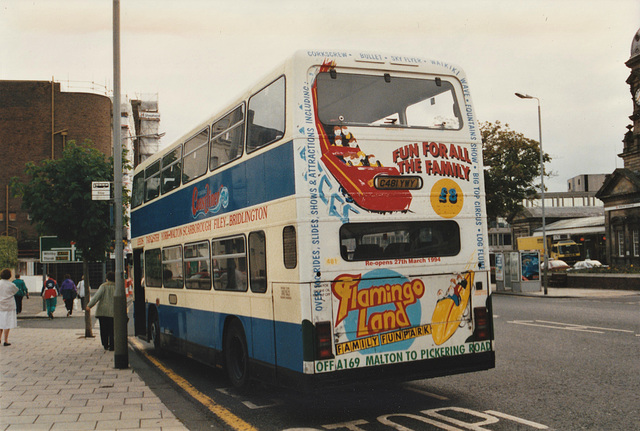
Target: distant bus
column 327, row 226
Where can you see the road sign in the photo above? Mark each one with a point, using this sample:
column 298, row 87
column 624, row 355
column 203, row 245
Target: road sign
column 53, row 250
column 100, row 190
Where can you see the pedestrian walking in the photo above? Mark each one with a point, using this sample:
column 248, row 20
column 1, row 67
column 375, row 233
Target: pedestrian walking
column 81, row 292
column 50, row 295
column 22, row 292
column 104, row 312
column 49, row 281
column 8, row 317
column 69, row 292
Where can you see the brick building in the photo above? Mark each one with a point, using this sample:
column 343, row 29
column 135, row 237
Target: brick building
column 621, row 190
column 37, row 119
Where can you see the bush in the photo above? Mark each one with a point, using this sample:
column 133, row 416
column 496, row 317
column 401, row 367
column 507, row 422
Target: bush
column 8, row 252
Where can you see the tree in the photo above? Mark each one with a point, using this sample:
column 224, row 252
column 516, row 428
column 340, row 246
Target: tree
column 8, row 252
column 58, row 199
column 511, row 168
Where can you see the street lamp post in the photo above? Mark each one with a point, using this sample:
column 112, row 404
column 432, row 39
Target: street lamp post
column 544, row 225
column 121, row 354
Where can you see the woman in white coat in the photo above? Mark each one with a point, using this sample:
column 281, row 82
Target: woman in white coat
column 8, row 316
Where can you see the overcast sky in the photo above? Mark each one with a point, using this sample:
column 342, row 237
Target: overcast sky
column 197, row 55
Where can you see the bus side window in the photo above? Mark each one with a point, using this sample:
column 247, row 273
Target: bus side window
column 153, row 268
column 196, row 156
column 196, row 266
column 229, row 262
column 258, row 262
column 227, row 138
column 172, row 267
column 266, row 115
column 152, row 181
column 171, row 170
column 289, row 247
column 137, row 197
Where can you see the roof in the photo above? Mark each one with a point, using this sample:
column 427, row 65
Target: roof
column 561, row 212
column 576, row 226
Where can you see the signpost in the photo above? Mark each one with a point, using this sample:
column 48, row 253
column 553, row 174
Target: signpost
column 53, row 250
column 100, row 190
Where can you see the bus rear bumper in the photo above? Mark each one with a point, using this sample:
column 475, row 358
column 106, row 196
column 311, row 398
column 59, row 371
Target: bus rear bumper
column 405, row 371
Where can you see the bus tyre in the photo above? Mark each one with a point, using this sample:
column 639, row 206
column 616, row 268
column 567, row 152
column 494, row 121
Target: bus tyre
column 236, row 355
column 154, row 333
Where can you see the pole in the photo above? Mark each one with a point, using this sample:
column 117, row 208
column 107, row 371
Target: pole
column 121, row 358
column 544, row 224
column 545, row 279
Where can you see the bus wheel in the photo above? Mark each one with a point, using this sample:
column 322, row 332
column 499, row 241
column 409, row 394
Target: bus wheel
column 236, row 355
column 154, row 332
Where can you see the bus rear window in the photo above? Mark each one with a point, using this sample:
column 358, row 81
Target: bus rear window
column 396, row 240
column 346, row 99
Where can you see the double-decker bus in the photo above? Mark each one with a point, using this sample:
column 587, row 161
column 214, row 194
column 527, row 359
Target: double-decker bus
column 328, row 226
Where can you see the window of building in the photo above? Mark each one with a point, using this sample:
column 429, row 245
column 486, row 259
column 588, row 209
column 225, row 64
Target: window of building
column 227, row 138
column 636, row 243
column 266, row 115
column 196, row 156
column 620, row 236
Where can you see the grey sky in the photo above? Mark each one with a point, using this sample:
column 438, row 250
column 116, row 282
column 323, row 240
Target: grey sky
column 197, row 55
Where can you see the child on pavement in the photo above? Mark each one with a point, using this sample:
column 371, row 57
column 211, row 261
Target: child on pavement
column 50, row 296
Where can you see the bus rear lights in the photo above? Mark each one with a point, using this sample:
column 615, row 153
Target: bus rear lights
column 481, row 320
column 323, row 340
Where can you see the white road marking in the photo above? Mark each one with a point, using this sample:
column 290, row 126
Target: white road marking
column 516, row 419
column 429, row 394
column 568, row 326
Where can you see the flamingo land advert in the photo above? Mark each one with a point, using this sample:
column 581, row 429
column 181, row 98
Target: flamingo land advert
column 381, row 316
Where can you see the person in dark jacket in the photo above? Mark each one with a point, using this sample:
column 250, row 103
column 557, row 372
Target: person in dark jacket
column 69, row 292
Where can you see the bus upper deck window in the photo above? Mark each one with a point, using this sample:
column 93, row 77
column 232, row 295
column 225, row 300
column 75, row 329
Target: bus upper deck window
column 137, row 197
column 196, row 156
column 152, row 181
column 227, row 138
column 388, row 101
column 171, row 170
column 266, row 115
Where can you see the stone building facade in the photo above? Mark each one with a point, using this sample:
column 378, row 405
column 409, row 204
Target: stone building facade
column 621, row 190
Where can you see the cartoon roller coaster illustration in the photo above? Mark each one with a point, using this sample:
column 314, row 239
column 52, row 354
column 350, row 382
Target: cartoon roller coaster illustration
column 361, row 176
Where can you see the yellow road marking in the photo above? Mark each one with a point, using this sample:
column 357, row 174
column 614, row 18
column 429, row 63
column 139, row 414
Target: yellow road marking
column 232, row 420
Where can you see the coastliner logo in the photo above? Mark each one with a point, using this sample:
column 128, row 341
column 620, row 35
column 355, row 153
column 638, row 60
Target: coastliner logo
column 205, row 201
column 396, row 298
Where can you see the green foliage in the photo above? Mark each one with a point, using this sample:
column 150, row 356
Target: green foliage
column 511, row 168
column 8, row 252
column 58, row 198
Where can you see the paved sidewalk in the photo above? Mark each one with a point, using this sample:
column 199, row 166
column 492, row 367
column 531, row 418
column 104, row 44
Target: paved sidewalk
column 567, row 292
column 55, row 378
